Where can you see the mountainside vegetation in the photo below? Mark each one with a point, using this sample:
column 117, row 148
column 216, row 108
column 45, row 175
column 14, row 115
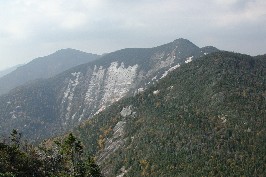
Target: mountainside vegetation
column 206, row 118
column 49, row 107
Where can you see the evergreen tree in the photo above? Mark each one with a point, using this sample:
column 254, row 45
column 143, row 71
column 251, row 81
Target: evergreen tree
column 63, row 158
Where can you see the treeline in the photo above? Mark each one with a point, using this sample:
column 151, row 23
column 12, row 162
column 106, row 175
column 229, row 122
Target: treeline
column 62, row 157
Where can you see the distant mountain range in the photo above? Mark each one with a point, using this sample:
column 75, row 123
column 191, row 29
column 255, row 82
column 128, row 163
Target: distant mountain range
column 206, row 118
column 44, row 67
column 8, row 70
column 48, row 107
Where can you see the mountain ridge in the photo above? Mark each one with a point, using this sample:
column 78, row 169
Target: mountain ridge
column 44, row 67
column 83, row 91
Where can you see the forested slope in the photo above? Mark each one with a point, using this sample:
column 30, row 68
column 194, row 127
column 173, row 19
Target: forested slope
column 206, row 118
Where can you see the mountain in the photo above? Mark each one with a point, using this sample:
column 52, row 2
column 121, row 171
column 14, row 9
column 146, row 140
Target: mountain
column 206, row 118
column 8, row 70
column 44, row 67
column 52, row 106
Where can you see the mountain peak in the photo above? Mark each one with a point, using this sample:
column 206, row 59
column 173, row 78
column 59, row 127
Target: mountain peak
column 180, row 44
column 67, row 51
column 182, row 40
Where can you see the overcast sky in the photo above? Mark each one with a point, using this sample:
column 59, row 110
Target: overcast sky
column 33, row 28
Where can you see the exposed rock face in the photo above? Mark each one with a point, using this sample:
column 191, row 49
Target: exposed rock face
column 55, row 105
column 100, row 86
column 115, row 142
column 126, row 111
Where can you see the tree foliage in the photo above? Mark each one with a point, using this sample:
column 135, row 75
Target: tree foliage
column 65, row 157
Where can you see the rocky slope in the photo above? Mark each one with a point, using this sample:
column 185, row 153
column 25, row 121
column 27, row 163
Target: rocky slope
column 206, row 118
column 44, row 67
column 47, row 107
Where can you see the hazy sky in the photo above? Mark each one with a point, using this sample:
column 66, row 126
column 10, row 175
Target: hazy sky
column 32, row 28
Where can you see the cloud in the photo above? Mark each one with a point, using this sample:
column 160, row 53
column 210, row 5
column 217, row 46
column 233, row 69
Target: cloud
column 242, row 12
column 37, row 27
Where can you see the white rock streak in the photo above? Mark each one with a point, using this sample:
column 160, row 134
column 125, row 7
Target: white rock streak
column 170, row 70
column 107, row 85
column 69, row 92
column 118, row 82
column 95, row 84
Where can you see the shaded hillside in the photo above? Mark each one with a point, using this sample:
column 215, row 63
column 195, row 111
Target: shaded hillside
column 48, row 107
column 44, row 67
column 207, row 118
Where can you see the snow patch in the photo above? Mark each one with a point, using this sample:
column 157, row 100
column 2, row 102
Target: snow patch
column 154, row 78
column 140, row 90
column 126, row 111
column 156, row 92
column 189, row 59
column 100, row 110
column 118, row 82
column 223, row 119
column 74, row 115
column 72, row 84
column 68, row 95
column 95, row 84
column 170, row 70
column 123, row 170
column 170, row 88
